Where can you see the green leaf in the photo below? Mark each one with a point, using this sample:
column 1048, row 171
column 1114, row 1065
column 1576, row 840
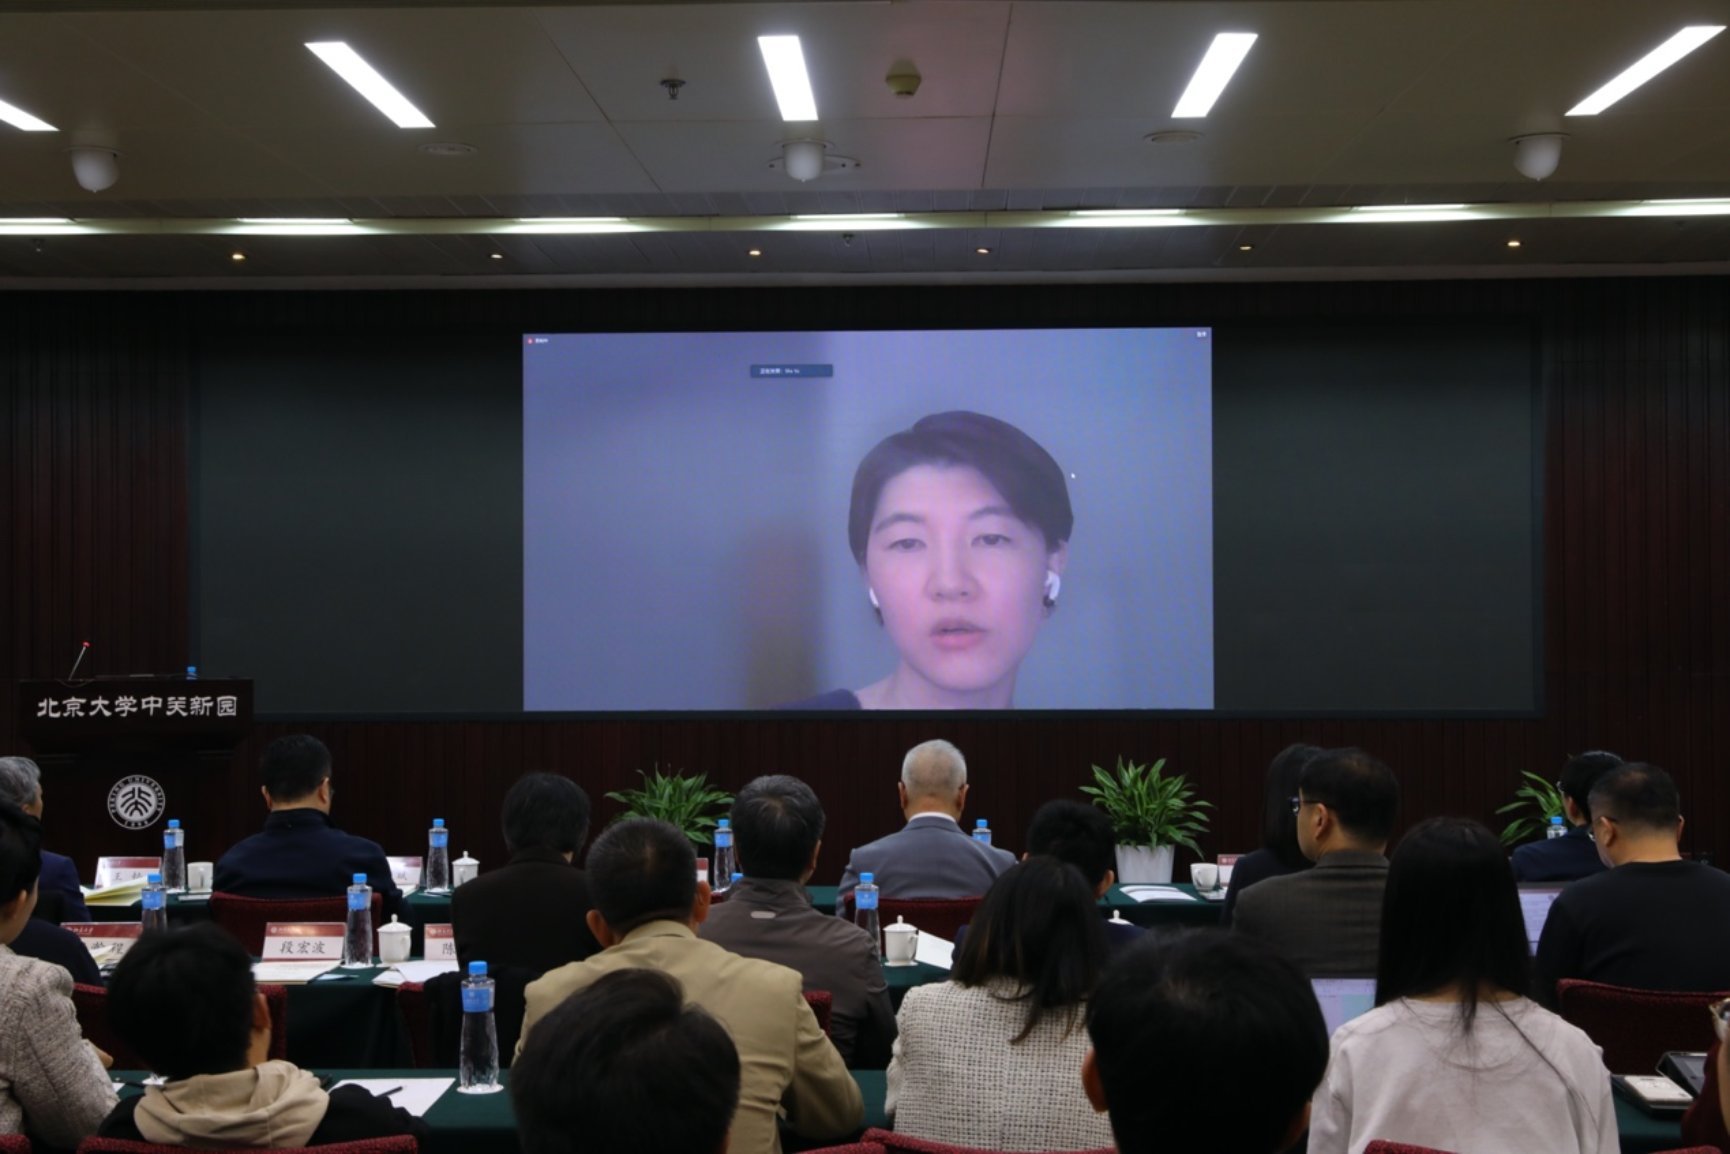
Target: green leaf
column 1536, row 800
column 1146, row 807
column 683, row 801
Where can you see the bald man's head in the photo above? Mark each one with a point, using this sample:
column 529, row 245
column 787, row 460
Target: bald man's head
column 933, row 779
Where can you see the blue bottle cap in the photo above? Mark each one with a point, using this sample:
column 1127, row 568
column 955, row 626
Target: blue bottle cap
column 173, row 823
column 726, row 823
column 360, row 879
column 155, row 880
column 866, row 878
column 738, row 877
column 980, row 824
column 438, row 823
column 477, row 969
column 192, row 671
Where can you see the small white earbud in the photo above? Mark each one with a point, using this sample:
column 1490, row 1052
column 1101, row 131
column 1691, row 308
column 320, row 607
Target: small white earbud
column 1053, row 585
column 873, row 594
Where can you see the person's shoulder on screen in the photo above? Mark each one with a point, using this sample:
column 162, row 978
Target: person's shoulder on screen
column 838, row 699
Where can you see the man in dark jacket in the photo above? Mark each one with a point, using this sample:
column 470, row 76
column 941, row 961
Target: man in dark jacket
column 1571, row 856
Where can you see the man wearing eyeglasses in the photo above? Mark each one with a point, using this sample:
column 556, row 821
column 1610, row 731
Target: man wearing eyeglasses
column 1327, row 921
column 1573, row 855
column 1652, row 921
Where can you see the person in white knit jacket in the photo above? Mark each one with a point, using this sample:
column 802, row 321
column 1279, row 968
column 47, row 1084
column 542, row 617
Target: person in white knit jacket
column 992, row 1058
column 1454, row 1056
column 52, row 1083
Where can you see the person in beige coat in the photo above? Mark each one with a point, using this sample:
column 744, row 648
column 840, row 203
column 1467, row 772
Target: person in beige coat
column 648, row 904
column 52, row 1083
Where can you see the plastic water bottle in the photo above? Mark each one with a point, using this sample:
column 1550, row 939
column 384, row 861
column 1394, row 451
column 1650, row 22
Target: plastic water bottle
column 1556, row 828
column 478, row 1059
column 723, row 863
column 155, row 916
column 981, row 831
column 865, row 909
column 174, row 858
column 357, row 934
column 192, row 673
column 438, row 858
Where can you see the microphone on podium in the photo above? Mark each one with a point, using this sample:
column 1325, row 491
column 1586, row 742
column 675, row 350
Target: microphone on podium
column 82, row 650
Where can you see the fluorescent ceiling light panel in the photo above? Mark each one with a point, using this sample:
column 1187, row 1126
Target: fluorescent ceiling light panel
column 364, row 79
column 20, row 119
column 785, row 60
column 1646, row 68
column 1409, row 208
column 1701, row 207
column 1215, row 72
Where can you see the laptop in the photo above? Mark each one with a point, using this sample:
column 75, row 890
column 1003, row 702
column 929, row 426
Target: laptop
column 1343, row 999
column 1535, row 902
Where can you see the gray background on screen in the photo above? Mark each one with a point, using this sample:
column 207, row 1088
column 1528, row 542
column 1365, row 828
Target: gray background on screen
column 685, row 525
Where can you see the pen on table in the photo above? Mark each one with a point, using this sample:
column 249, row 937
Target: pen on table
column 389, row 1092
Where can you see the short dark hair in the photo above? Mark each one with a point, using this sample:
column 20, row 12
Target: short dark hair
column 182, row 999
column 777, row 822
column 20, row 852
column 1582, row 773
column 1039, row 926
column 1278, row 822
column 1451, row 916
column 1017, row 466
column 642, row 870
column 546, row 811
column 1362, row 792
column 623, row 1064
column 1638, row 794
column 293, row 766
column 1076, row 833
column 1172, row 1021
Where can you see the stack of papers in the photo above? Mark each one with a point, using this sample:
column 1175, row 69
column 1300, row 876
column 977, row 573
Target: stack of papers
column 416, row 1095
column 1158, row 894
column 288, row 973
column 121, row 894
column 402, row 972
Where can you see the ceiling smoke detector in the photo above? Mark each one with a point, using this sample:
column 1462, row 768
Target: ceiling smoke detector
column 95, row 167
column 1538, row 155
column 808, row 159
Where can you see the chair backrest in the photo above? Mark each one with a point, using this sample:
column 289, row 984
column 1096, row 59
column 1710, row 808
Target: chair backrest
column 402, row 1144
column 246, row 918
column 14, row 1144
column 942, row 918
column 852, row 1148
column 823, row 1005
column 1380, row 1147
column 1636, row 1027
column 411, row 1004
column 91, row 1006
column 892, row 1143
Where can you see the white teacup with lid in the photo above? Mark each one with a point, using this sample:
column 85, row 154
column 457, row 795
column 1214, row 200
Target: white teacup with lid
column 465, row 869
column 900, row 943
column 393, row 942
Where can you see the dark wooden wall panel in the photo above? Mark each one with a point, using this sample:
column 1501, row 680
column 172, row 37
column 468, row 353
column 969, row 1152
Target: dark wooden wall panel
column 98, row 391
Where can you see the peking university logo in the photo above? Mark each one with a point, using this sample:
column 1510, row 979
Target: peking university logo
column 136, row 802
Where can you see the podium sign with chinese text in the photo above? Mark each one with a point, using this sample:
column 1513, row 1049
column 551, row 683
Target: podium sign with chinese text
column 303, row 942
column 134, row 712
column 441, row 942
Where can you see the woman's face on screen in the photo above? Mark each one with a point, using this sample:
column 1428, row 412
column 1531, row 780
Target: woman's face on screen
column 960, row 579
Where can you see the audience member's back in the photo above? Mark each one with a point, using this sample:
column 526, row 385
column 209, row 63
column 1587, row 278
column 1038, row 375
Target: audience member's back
column 1280, row 853
column 1081, row 835
column 1204, row 1042
column 1653, row 921
column 625, row 1065
column 1573, row 855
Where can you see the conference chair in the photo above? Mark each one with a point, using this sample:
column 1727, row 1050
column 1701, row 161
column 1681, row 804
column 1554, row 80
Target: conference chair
column 245, row 918
column 14, row 1144
column 1636, row 1027
column 432, row 1015
column 892, row 1143
column 941, row 918
column 402, row 1144
column 851, row 1148
column 91, row 1005
column 822, row 1004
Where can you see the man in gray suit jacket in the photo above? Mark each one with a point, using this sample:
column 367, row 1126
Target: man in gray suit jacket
column 930, row 857
column 1327, row 921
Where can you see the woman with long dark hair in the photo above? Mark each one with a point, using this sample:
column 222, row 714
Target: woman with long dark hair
column 1454, row 1056
column 992, row 1058
column 1279, row 853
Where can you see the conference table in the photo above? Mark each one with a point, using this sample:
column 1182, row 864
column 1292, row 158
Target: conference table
column 485, row 1124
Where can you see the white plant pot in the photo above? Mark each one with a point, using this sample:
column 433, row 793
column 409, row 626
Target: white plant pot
column 1142, row 864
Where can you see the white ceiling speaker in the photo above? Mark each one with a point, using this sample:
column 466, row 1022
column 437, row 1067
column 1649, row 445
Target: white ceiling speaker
column 1538, row 155
column 808, row 159
column 95, row 167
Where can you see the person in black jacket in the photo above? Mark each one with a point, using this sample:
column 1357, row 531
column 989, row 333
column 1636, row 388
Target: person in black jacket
column 185, row 1002
column 1279, row 853
column 1573, row 855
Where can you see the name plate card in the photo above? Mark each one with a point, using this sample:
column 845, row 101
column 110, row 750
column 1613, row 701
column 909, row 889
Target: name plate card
column 106, row 941
column 441, row 943
column 114, row 871
column 303, row 942
column 702, row 870
column 405, row 871
column 1227, row 860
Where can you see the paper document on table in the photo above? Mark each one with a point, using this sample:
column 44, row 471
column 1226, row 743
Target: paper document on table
column 934, row 951
column 416, row 1095
column 1158, row 894
column 288, row 973
column 422, row 971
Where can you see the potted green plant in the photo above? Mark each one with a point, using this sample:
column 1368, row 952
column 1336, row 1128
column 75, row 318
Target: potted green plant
column 1152, row 815
column 679, row 799
column 1536, row 802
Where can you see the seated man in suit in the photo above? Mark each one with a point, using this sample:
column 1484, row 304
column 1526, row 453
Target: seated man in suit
column 1174, row 1021
column 531, row 912
column 185, row 1001
column 648, row 905
column 777, row 831
column 626, row 1065
column 300, row 854
column 62, row 900
column 1080, row 835
column 1327, row 920
column 931, row 856
column 1573, row 855
column 1652, row 921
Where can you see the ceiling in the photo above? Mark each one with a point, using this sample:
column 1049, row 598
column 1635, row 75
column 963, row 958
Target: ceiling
column 219, row 111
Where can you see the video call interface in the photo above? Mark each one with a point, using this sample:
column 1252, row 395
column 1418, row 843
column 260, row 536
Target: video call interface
column 836, row 520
